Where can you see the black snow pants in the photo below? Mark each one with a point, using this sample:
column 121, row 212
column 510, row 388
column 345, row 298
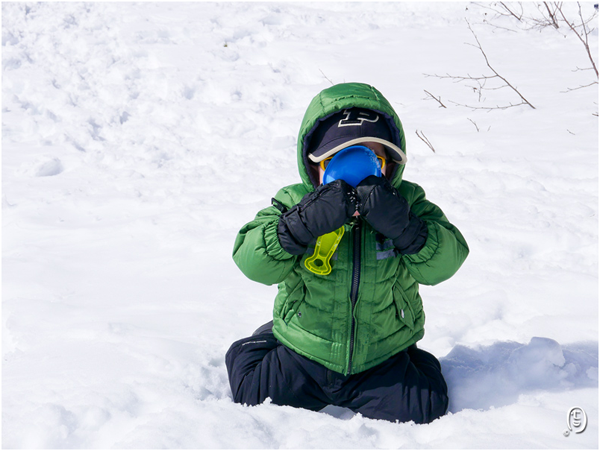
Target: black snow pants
column 409, row 386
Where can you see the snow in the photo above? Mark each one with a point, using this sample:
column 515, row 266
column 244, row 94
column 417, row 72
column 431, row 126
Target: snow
column 139, row 137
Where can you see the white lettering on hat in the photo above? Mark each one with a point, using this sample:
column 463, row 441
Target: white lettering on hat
column 356, row 118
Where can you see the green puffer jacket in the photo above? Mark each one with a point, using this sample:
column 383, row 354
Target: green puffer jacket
column 315, row 315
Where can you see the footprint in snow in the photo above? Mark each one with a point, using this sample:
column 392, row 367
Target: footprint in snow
column 49, row 168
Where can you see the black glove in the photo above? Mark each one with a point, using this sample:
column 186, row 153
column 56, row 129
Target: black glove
column 388, row 212
column 322, row 211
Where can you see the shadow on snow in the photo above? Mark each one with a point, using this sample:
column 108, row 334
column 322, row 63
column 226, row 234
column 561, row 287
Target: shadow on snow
column 495, row 375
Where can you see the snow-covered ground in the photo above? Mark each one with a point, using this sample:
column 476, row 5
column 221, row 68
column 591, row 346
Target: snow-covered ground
column 139, row 137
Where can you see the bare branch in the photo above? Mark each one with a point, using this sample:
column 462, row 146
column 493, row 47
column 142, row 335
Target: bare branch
column 473, row 122
column 579, row 35
column 482, row 81
column 423, row 138
column 579, row 69
column 494, row 70
column 581, row 87
column 502, row 11
column 489, row 108
column 510, row 11
column 499, row 27
column 553, row 21
column 438, row 99
column 460, row 77
column 325, row 76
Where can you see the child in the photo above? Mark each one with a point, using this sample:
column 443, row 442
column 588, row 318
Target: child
column 347, row 338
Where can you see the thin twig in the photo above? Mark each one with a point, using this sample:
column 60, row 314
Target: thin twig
column 585, row 32
column 438, row 99
column 552, row 16
column 473, row 122
column 460, row 78
column 511, row 12
column 482, row 81
column 579, row 69
column 425, row 140
column 501, row 28
column 489, row 108
column 494, row 70
column 325, row 76
column 580, row 87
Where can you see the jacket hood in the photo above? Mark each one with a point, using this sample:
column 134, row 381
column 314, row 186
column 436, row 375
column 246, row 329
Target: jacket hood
column 339, row 97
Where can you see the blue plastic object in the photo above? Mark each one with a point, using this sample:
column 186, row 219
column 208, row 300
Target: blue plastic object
column 352, row 165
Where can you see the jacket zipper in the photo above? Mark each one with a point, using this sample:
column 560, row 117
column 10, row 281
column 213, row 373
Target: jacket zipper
column 356, row 245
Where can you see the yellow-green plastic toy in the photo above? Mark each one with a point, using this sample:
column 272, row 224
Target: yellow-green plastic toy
column 319, row 261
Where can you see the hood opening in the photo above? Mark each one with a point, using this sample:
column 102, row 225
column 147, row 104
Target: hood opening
column 396, row 139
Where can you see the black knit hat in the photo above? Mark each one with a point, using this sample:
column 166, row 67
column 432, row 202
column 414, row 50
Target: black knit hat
column 349, row 127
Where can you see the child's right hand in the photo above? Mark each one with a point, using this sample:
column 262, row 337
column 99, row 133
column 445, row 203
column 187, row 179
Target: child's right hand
column 324, row 210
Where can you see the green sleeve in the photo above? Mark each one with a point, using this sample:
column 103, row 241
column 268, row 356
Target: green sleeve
column 257, row 251
column 445, row 249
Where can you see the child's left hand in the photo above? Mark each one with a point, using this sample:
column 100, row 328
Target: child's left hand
column 387, row 211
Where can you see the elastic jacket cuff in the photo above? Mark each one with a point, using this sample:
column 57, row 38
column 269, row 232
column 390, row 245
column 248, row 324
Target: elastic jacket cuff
column 288, row 241
column 414, row 237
